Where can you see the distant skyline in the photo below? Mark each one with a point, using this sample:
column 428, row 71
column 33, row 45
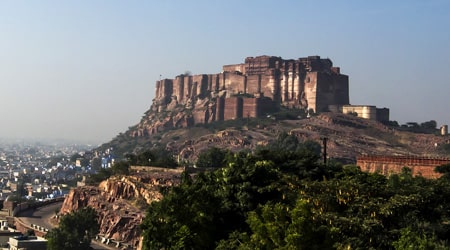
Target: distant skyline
column 86, row 70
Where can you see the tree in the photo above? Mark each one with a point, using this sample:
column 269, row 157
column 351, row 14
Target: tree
column 157, row 157
column 185, row 218
column 164, row 158
column 201, row 212
column 211, row 158
column 278, row 198
column 412, row 240
column 278, row 226
column 131, row 158
column 429, row 125
column 444, row 170
column 75, row 231
column 120, row 168
column 96, row 163
column 101, row 175
column 146, row 158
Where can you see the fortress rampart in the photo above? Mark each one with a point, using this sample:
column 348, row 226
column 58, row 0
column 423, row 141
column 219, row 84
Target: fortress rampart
column 257, row 86
column 394, row 164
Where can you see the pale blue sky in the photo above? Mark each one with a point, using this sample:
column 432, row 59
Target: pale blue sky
column 87, row 69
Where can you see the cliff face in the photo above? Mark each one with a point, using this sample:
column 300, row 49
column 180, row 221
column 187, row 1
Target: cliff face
column 117, row 201
column 251, row 89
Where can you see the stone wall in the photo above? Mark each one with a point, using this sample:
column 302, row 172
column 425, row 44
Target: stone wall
column 365, row 111
column 250, row 107
column 383, row 114
column 232, row 108
column 256, row 107
column 308, row 83
column 394, row 164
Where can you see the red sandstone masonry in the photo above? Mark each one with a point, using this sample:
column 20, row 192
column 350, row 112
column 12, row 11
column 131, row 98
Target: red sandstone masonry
column 233, row 108
column 281, row 80
column 394, row 164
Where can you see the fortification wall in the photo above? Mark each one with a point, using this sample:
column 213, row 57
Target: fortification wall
column 220, row 109
column 291, row 81
column 341, row 89
column 254, row 84
column 232, row 108
column 309, row 82
column 234, row 68
column 330, row 88
column 270, row 84
column 363, row 111
column 311, row 90
column 259, row 65
column 394, row 164
column 383, row 114
column 178, row 88
column 213, row 83
column 200, row 86
column 200, row 117
column 234, row 83
column 187, row 88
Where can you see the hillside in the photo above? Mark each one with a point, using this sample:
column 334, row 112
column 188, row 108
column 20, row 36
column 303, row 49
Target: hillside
column 251, row 103
column 348, row 137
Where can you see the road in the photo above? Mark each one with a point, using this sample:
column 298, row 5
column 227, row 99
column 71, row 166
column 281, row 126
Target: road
column 42, row 215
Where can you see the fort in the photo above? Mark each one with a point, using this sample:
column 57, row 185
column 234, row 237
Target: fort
column 258, row 87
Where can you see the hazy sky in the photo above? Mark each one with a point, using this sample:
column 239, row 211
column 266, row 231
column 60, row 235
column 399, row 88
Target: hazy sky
column 86, row 70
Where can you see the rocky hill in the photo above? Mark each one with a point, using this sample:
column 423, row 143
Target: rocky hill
column 228, row 110
column 249, row 104
column 120, row 202
column 348, row 137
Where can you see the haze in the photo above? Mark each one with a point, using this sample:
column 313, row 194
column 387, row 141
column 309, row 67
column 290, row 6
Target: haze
column 86, row 70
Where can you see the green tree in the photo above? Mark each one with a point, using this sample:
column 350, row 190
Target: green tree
column 214, row 205
column 283, row 198
column 429, row 126
column 75, row 231
column 185, row 218
column 444, row 170
column 279, row 226
column 158, row 157
column 164, row 158
column 146, row 158
column 96, row 163
column 120, row 168
column 101, row 175
column 132, row 159
column 410, row 239
column 211, row 158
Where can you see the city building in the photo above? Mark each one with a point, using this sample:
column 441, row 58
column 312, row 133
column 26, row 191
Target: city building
column 27, row 243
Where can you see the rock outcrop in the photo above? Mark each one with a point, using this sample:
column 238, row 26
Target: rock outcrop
column 120, row 202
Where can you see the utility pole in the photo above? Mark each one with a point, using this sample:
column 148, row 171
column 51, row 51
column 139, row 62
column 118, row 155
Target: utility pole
column 324, row 142
column 248, row 119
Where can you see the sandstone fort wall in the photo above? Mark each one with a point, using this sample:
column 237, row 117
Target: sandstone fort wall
column 308, row 83
column 394, row 164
